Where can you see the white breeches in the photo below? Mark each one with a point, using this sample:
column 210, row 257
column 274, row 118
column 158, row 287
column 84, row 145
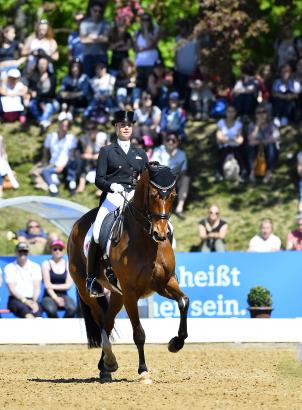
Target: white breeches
column 110, row 204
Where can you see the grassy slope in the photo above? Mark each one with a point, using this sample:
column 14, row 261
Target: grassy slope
column 242, row 205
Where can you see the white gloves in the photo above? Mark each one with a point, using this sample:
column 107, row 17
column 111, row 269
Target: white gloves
column 116, row 187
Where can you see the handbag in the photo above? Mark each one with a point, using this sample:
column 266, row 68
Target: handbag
column 260, row 162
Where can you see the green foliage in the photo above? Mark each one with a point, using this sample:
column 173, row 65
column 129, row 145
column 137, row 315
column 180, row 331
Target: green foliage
column 259, row 297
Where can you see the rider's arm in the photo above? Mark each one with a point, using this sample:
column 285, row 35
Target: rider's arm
column 101, row 171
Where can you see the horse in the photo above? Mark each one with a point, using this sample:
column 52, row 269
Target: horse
column 143, row 261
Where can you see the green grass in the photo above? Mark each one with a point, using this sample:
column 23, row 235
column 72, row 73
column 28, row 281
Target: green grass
column 242, row 205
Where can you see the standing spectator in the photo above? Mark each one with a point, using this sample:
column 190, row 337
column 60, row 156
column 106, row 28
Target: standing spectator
column 169, row 154
column 147, row 118
column 294, row 238
column 74, row 45
column 57, row 281
column 126, row 89
column 42, row 86
column 5, row 169
column 120, row 42
column 23, row 279
column 9, row 50
column 38, row 44
column 34, row 236
column 212, row 231
column 94, row 35
column 245, row 91
column 263, row 135
column 285, row 47
column 173, row 118
column 59, row 155
column 146, row 49
column 266, row 240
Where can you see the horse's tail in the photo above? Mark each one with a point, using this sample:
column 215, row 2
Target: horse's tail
column 93, row 330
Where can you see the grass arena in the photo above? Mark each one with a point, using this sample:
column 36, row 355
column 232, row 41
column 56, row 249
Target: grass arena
column 201, row 376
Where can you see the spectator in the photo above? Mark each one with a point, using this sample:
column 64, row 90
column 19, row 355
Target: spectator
column 58, row 157
column 265, row 81
column 147, row 118
column 212, row 231
column 42, row 86
column 229, row 140
column 285, row 47
column 57, row 281
column 294, row 238
column 41, row 43
column 146, row 49
column 9, row 51
column 299, row 173
column 169, row 154
column 173, row 118
column 201, row 99
column 265, row 241
column 148, row 146
column 5, row 169
column 74, row 45
column 23, row 279
column 125, row 85
column 75, row 89
column 120, row 42
column 160, row 82
column 285, row 93
column 94, row 35
column 245, row 91
column 89, row 146
column 34, row 236
column 263, row 136
column 14, row 97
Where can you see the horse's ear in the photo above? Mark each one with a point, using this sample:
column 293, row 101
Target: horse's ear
column 153, row 164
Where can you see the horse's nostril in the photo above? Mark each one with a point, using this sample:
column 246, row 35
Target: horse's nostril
column 159, row 237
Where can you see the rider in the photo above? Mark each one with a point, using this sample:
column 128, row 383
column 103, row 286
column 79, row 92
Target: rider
column 118, row 168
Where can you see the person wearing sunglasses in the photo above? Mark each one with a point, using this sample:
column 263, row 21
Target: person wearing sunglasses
column 34, row 235
column 212, row 231
column 57, row 281
column 23, row 279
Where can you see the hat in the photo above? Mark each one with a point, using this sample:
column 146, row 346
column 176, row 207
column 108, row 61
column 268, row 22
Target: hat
column 22, row 246
column 174, row 96
column 148, row 141
column 123, row 116
column 14, row 73
column 57, row 242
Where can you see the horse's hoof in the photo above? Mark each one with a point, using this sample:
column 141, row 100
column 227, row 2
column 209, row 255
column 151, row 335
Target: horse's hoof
column 105, row 377
column 111, row 367
column 175, row 344
column 145, row 378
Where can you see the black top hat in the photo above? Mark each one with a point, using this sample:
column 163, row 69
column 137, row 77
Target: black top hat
column 123, row 116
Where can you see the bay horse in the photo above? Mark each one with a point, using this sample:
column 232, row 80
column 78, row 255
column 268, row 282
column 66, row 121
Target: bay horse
column 143, row 261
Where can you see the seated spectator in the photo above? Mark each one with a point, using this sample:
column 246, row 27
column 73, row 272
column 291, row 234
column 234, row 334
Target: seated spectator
column 160, row 82
column 9, row 51
column 102, row 87
column 23, row 279
column 173, row 118
column 148, row 146
column 229, row 140
column 34, row 236
column 41, row 43
column 42, row 87
column 294, row 238
column 263, row 136
column 125, row 85
column 285, row 93
column 245, row 91
column 57, row 281
column 74, row 45
column 169, row 154
column 201, row 99
column 147, row 118
column 88, row 151
column 212, row 231
column 5, row 169
column 59, row 158
column 120, row 42
column 14, row 97
column 265, row 81
column 75, row 89
column 266, row 240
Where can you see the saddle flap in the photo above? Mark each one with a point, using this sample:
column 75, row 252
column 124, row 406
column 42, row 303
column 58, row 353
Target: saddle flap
column 117, row 230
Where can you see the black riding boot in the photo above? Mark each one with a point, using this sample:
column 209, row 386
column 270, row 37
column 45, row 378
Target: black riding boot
column 93, row 287
column 112, row 279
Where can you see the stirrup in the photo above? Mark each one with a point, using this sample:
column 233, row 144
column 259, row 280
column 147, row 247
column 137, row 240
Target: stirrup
column 113, row 281
column 94, row 288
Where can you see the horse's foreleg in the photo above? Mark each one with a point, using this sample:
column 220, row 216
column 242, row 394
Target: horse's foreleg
column 130, row 302
column 172, row 291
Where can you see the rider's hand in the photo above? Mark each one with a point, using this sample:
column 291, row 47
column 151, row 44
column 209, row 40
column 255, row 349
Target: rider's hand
column 116, row 187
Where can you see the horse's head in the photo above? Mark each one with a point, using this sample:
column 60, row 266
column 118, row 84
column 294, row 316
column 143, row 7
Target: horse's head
column 158, row 199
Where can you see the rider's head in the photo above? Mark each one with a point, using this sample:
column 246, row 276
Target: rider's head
column 123, row 123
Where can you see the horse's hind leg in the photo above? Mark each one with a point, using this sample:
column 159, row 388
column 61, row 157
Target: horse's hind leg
column 172, row 291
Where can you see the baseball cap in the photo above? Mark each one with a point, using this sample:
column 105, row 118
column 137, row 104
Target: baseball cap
column 57, row 242
column 22, row 246
column 14, row 73
column 174, row 96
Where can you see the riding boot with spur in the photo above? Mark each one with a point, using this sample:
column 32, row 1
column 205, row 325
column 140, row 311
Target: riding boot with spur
column 92, row 285
column 112, row 279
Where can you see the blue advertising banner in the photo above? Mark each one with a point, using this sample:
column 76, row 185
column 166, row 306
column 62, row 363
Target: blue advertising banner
column 218, row 283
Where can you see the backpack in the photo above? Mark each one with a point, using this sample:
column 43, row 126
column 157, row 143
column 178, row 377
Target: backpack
column 231, row 168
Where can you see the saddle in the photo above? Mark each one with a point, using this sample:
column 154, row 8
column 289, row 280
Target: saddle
column 112, row 228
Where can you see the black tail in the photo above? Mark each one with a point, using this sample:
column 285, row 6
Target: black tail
column 93, row 331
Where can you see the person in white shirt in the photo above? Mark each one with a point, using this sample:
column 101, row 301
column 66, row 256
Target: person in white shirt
column 59, row 155
column 265, row 241
column 23, row 279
